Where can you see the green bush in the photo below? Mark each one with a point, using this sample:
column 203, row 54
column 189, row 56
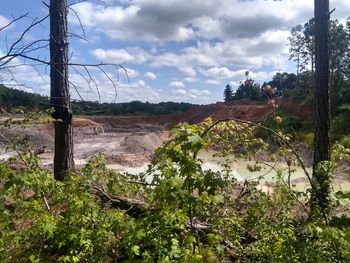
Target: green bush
column 190, row 214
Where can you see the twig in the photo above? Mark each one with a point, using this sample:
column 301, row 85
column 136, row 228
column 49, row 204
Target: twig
column 46, row 203
column 13, row 21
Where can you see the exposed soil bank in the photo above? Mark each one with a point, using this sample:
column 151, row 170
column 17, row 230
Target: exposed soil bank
column 128, row 142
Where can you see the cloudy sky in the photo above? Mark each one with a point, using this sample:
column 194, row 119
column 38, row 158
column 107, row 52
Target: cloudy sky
column 173, row 50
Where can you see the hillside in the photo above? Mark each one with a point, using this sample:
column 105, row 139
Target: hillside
column 137, row 111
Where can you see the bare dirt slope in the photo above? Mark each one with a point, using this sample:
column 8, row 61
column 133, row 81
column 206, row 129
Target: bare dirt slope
column 131, row 140
column 245, row 110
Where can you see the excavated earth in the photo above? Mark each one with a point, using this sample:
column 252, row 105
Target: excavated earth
column 126, row 140
column 129, row 141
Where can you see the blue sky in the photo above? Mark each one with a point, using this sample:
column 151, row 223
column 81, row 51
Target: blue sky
column 174, row 50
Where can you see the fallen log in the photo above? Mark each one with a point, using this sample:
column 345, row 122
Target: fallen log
column 133, row 207
column 137, row 209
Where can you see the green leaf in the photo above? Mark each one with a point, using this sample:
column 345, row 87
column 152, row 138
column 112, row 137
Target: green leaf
column 136, row 250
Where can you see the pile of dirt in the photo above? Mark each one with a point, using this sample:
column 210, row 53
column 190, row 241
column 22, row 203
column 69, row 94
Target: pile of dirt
column 142, row 145
column 83, row 122
column 20, row 136
column 131, row 140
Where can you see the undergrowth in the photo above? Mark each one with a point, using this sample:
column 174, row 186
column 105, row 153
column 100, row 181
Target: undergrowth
column 189, row 214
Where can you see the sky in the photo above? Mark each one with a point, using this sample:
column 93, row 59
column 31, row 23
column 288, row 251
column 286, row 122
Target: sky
column 172, row 50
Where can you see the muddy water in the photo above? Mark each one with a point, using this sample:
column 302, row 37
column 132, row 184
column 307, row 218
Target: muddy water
column 267, row 176
column 239, row 170
column 124, row 147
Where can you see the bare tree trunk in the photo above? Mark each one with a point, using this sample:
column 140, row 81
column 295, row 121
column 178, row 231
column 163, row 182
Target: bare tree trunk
column 60, row 98
column 322, row 104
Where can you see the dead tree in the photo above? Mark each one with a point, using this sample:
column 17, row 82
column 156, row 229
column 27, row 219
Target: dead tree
column 59, row 91
column 322, row 105
column 59, row 79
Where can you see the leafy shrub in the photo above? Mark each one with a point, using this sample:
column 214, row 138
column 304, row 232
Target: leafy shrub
column 192, row 214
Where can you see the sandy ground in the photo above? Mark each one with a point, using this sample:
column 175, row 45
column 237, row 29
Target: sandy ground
column 128, row 145
column 123, row 145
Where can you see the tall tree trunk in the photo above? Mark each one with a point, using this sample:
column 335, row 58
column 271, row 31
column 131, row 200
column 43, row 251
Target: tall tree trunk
column 60, row 98
column 322, row 104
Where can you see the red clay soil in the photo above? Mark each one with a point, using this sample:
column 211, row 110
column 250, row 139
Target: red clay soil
column 304, row 110
column 245, row 110
column 239, row 110
column 48, row 128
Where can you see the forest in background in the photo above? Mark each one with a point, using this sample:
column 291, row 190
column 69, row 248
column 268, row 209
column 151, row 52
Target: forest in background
column 14, row 98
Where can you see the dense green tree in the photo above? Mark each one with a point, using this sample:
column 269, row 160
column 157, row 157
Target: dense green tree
column 296, row 44
column 302, row 51
column 282, row 82
column 228, row 93
column 339, row 47
column 249, row 89
column 301, row 46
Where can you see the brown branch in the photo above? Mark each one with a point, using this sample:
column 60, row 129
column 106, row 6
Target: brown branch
column 33, row 24
column 80, row 23
column 133, row 207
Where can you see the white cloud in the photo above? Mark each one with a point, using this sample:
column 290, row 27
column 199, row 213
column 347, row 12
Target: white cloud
column 180, row 20
column 131, row 73
column 3, row 21
column 139, row 20
column 25, row 77
column 133, row 55
column 192, row 95
column 219, row 72
column 177, row 84
column 197, row 92
column 213, row 81
column 188, row 56
column 179, row 92
column 188, row 71
column 150, row 75
column 270, row 48
column 126, row 91
column 191, row 79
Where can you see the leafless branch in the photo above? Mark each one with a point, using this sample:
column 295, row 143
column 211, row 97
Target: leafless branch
column 9, row 53
column 13, row 21
column 28, row 51
column 77, row 2
column 78, row 18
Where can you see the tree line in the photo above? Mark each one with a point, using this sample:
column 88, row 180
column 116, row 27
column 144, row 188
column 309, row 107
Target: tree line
column 14, row 98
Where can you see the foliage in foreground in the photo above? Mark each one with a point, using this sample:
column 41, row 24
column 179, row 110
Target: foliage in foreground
column 192, row 214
